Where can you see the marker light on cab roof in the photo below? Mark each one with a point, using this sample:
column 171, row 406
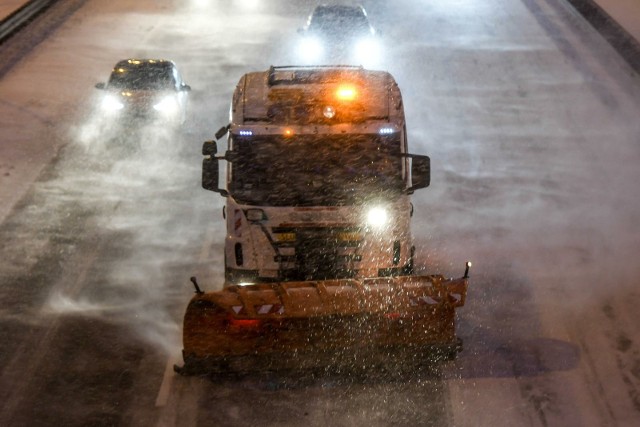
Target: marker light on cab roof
column 346, row 93
column 288, row 132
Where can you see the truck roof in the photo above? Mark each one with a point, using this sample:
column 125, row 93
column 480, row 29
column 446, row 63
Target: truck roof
column 307, row 95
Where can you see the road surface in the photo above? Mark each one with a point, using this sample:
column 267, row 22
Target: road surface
column 529, row 117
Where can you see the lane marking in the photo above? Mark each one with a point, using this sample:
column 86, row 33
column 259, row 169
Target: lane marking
column 167, row 381
column 169, row 413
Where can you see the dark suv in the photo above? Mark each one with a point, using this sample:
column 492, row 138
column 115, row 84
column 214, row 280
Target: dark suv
column 149, row 89
column 339, row 34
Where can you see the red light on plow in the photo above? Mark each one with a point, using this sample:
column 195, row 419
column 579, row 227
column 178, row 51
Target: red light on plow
column 392, row 316
column 244, row 323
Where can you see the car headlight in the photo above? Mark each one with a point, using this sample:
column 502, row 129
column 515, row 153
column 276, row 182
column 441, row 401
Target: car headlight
column 167, row 105
column 367, row 51
column 112, row 103
column 310, row 49
column 377, row 217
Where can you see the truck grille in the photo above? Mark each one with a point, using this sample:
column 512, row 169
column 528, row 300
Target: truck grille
column 319, row 253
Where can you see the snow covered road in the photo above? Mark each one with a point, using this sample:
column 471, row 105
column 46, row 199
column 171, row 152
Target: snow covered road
column 531, row 122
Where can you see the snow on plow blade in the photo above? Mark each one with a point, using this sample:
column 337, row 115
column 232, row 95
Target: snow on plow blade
column 283, row 321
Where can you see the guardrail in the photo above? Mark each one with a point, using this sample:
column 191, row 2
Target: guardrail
column 21, row 17
column 623, row 42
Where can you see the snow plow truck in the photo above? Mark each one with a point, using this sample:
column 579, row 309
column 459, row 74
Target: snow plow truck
column 319, row 260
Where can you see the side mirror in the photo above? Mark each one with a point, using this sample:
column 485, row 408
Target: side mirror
column 185, row 87
column 210, row 171
column 222, row 132
column 211, row 168
column 209, row 148
column 100, row 85
column 420, row 172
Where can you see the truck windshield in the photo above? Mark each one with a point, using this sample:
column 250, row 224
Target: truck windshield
column 315, row 170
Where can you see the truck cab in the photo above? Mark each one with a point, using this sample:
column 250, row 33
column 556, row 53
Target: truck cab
column 318, row 176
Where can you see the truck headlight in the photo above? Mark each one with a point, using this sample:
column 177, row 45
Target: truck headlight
column 112, row 103
column 255, row 215
column 167, row 105
column 367, row 51
column 377, row 218
column 310, row 49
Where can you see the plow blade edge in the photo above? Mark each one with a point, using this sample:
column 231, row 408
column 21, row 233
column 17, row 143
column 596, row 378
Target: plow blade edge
column 329, row 317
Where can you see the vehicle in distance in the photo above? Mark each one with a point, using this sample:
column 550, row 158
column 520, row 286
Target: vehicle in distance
column 339, row 34
column 145, row 89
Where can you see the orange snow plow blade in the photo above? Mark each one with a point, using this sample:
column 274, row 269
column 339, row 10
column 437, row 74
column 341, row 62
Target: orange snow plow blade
column 280, row 322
